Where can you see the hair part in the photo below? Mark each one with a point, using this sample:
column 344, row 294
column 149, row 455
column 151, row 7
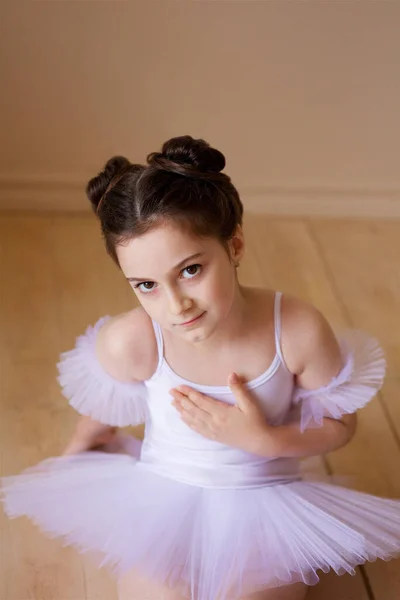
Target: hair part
column 183, row 184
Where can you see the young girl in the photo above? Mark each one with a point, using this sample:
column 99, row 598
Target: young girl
column 234, row 384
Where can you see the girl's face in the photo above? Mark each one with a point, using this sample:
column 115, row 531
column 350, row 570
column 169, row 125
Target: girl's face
column 185, row 283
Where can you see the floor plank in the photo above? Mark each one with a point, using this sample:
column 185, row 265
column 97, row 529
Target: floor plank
column 361, row 260
column 33, row 567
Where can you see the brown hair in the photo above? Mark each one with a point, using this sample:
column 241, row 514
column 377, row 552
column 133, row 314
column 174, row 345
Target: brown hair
column 181, row 183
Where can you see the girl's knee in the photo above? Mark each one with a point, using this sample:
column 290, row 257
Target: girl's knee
column 133, row 586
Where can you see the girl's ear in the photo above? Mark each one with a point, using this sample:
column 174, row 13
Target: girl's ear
column 237, row 246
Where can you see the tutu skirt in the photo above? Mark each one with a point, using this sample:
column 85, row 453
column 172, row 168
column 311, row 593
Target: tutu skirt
column 208, row 543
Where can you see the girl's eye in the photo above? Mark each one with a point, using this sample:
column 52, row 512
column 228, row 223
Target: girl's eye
column 145, row 287
column 191, row 271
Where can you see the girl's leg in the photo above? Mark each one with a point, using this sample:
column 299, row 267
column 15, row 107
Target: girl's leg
column 296, row 591
column 134, row 587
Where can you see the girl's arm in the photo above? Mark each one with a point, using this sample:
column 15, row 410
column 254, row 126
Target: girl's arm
column 290, row 441
column 89, row 434
column 321, row 367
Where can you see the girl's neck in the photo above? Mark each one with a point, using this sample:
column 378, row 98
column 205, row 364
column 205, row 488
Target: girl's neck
column 237, row 324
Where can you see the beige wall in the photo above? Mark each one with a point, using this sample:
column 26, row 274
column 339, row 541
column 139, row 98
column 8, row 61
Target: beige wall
column 302, row 97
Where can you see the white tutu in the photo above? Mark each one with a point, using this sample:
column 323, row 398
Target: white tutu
column 204, row 541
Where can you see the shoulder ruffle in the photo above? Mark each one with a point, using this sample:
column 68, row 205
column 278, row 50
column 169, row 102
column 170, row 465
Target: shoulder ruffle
column 357, row 383
column 92, row 391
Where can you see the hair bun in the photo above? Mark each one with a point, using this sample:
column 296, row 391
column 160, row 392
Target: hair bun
column 98, row 185
column 186, row 156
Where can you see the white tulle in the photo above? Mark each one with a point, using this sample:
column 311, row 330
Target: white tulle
column 214, row 541
column 209, row 543
column 358, row 382
column 94, row 393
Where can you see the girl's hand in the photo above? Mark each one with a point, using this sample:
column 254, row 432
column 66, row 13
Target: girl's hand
column 242, row 426
column 78, row 444
column 90, row 435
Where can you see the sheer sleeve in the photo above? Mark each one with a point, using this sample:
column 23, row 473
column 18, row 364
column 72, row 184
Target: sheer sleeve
column 92, row 391
column 362, row 375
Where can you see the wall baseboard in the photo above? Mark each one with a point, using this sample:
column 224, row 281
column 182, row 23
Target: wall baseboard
column 33, row 194
column 46, row 194
column 324, row 202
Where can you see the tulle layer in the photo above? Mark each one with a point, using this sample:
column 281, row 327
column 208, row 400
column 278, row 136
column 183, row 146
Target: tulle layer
column 94, row 393
column 207, row 542
column 357, row 383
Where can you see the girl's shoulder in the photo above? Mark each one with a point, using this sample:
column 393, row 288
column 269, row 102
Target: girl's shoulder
column 301, row 330
column 305, row 333
column 126, row 346
column 291, row 313
column 103, row 375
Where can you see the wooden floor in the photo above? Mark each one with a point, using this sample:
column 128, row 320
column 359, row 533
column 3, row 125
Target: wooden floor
column 55, row 279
